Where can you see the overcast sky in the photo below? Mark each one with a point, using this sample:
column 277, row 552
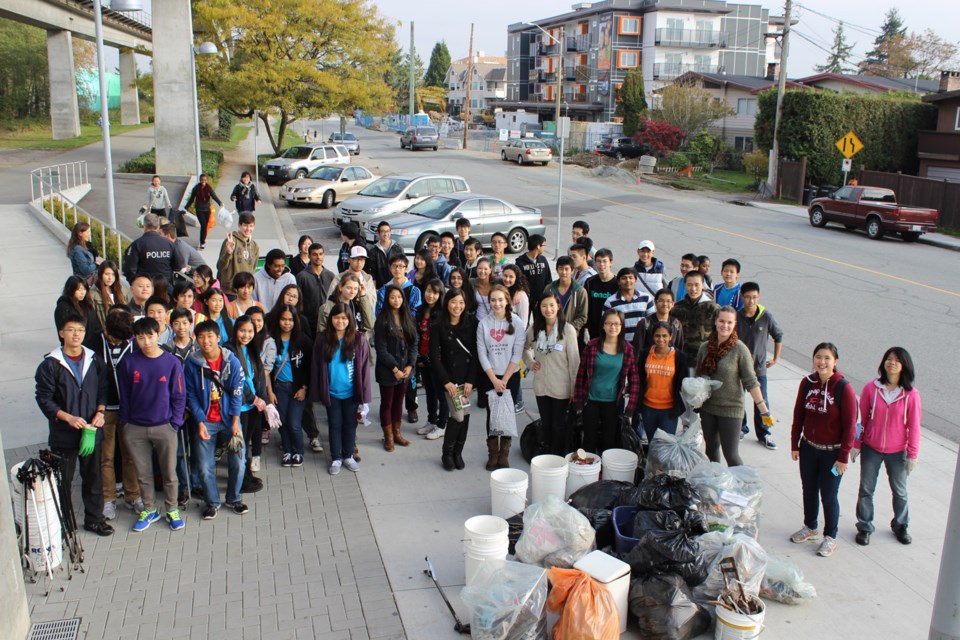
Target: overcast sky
column 491, row 18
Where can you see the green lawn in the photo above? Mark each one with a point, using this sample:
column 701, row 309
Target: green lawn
column 723, row 181
column 39, row 136
column 237, row 135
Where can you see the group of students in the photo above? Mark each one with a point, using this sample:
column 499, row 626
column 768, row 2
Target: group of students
column 602, row 348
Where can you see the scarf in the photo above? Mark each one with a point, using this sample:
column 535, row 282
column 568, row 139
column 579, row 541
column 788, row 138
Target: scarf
column 547, row 341
column 715, row 352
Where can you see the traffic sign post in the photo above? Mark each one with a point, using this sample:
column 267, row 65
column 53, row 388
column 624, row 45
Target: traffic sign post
column 849, row 145
column 845, row 167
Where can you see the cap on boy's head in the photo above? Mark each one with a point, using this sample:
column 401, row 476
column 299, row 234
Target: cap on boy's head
column 647, row 244
column 358, row 252
column 626, row 271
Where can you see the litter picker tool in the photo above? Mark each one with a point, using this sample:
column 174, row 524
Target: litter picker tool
column 459, row 627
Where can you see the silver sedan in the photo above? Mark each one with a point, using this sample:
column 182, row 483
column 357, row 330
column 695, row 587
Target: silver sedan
column 526, row 150
column 327, row 185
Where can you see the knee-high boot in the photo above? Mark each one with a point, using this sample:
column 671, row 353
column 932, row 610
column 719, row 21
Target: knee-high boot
column 450, row 443
column 493, row 450
column 461, row 440
column 388, row 437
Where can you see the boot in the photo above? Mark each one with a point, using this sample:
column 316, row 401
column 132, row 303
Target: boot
column 461, row 440
column 388, row 437
column 398, row 437
column 449, row 444
column 493, row 449
column 503, row 460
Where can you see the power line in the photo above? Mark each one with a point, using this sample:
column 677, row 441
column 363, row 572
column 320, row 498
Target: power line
column 865, row 30
column 852, row 59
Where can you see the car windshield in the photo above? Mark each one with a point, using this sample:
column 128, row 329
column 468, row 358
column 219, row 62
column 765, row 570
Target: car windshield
column 348, row 136
column 434, row 208
column 385, row 188
column 326, row 173
column 297, row 153
column 426, row 131
column 534, row 144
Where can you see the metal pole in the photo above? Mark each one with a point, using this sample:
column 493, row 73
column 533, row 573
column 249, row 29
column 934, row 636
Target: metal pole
column 945, row 622
column 256, row 154
column 772, row 167
column 104, row 114
column 559, row 190
column 556, row 116
column 196, row 103
column 413, row 80
column 466, row 100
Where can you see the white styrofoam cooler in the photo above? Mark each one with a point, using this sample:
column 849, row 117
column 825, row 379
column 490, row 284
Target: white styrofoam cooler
column 613, row 574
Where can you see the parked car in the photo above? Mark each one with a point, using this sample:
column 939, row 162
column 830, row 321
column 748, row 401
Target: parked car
column 521, row 150
column 299, row 160
column 327, row 185
column 873, row 209
column 487, row 214
column 348, row 140
column 392, row 194
column 621, row 148
column 420, row 138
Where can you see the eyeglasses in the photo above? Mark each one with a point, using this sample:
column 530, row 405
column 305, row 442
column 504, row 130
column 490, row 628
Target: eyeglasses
column 74, row 330
column 612, row 324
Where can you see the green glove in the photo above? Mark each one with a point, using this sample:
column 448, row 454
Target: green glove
column 87, row 440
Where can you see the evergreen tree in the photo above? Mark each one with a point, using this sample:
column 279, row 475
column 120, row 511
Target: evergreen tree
column 439, row 64
column 631, row 101
column 840, row 53
column 892, row 32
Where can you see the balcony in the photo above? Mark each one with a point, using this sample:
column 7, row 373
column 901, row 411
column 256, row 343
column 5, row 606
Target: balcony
column 689, row 38
column 546, row 76
column 939, row 145
column 570, row 74
column 575, row 98
column 547, row 48
column 673, row 70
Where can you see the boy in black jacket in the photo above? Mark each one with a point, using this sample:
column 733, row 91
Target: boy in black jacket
column 71, row 391
column 536, row 268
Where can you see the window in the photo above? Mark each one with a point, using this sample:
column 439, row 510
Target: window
column 629, row 26
column 702, row 64
column 469, row 209
column 743, row 143
column 493, row 207
column 746, row 107
column 674, row 29
column 843, row 193
column 628, row 59
column 956, row 122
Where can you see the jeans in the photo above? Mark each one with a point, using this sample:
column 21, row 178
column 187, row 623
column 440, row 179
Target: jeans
column 291, row 413
column 758, row 426
column 208, row 472
column 342, row 421
column 896, row 463
column 553, row 417
column 437, row 412
column 391, row 403
column 601, row 421
column 654, row 419
column 819, row 484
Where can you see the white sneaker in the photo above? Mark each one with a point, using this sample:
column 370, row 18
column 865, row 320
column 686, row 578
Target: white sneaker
column 425, row 429
column 769, row 443
column 436, row 434
column 351, row 464
column 136, row 506
column 805, row 535
column 315, row 445
column 255, row 464
column 110, row 510
column 827, row 547
column 335, row 467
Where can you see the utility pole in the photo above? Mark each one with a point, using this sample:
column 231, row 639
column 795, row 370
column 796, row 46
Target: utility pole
column 413, row 74
column 466, row 100
column 945, row 623
column 556, row 117
column 772, row 167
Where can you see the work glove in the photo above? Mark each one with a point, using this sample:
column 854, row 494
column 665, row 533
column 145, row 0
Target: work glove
column 273, row 416
column 854, row 454
column 88, row 440
column 766, row 419
column 235, row 444
column 912, row 464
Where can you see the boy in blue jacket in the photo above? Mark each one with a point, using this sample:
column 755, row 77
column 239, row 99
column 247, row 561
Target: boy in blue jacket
column 215, row 395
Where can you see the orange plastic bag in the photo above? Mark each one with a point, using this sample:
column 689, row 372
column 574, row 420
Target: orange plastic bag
column 212, row 222
column 587, row 610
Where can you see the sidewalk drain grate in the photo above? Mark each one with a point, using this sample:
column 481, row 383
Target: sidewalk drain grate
column 57, row 630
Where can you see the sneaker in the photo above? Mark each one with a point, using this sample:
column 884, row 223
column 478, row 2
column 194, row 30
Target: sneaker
column 412, row 416
column 287, row 460
column 427, row 428
column 863, row 538
column 805, row 535
column 436, row 434
column 136, row 506
column 218, row 453
column 769, row 443
column 146, row 519
column 334, row 467
column 182, row 500
column 827, row 547
column 202, row 246
column 110, row 510
column 351, row 464
column 100, row 528
column 237, row 507
column 255, row 464
column 518, row 407
column 296, row 460
column 316, row 446
column 265, row 438
column 176, row 522
column 743, row 434
column 210, row 512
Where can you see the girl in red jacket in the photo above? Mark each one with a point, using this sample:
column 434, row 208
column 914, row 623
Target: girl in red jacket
column 890, row 410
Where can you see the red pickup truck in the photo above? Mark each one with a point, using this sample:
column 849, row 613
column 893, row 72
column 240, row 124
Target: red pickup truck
column 873, row 209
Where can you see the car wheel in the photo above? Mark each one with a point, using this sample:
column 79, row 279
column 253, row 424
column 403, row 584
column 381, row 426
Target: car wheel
column 503, row 156
column 402, row 146
column 874, row 228
column 422, row 241
column 435, row 148
column 910, row 236
column 519, row 158
column 301, row 174
column 817, row 218
column 328, row 200
column 517, row 240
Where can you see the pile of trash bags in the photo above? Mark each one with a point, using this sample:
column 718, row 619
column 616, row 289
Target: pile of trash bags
column 665, row 610
column 728, row 497
column 554, row 534
column 506, row 602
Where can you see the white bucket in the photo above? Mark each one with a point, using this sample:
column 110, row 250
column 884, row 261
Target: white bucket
column 548, row 476
column 619, row 464
column 43, row 522
column 485, row 540
column 734, row 626
column 580, row 475
column 508, row 492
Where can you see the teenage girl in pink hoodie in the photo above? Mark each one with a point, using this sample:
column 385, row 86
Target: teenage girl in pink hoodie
column 890, row 410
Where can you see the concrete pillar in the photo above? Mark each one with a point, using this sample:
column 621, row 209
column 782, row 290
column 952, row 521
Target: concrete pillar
column 64, row 111
column 129, row 97
column 14, row 614
column 174, row 92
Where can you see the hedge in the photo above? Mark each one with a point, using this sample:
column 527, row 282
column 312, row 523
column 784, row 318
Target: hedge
column 210, row 162
column 813, row 121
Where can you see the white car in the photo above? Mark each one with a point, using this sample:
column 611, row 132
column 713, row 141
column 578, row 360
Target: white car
column 299, row 160
column 327, row 185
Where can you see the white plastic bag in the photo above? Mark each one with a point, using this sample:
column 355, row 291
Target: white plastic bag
column 783, row 581
column 750, row 557
column 225, row 218
column 506, row 601
column 554, row 534
column 728, row 498
column 503, row 415
column 191, row 219
column 675, row 455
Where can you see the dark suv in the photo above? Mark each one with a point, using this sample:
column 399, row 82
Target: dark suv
column 621, row 148
column 420, row 138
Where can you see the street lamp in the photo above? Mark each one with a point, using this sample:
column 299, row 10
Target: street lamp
column 205, row 49
column 116, row 5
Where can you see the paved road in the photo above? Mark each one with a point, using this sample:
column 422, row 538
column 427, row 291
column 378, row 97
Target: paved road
column 823, row 284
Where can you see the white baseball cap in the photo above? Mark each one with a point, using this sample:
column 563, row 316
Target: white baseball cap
column 358, row 252
column 647, row 244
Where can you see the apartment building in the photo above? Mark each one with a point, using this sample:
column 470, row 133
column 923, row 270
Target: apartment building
column 584, row 55
column 488, row 82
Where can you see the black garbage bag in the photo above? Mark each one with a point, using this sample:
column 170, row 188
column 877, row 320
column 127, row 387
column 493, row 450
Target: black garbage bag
column 179, row 223
column 668, row 544
column 602, row 522
column 665, row 492
column 665, row 610
column 532, row 442
column 604, row 494
column 630, row 440
column 514, row 529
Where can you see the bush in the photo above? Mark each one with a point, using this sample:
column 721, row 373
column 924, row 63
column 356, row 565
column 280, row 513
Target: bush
column 210, row 161
column 756, row 163
column 678, row 160
column 708, row 150
column 659, row 135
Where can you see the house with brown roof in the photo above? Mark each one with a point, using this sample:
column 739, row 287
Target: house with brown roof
column 850, row 83
column 939, row 151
